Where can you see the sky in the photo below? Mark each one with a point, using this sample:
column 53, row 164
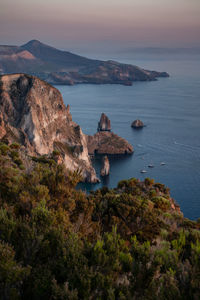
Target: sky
column 104, row 23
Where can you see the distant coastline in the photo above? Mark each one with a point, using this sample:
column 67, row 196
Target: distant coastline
column 65, row 68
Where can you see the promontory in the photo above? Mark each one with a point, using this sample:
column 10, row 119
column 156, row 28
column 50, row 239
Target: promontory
column 63, row 67
column 32, row 113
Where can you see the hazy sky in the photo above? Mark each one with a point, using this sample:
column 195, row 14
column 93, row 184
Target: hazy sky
column 65, row 23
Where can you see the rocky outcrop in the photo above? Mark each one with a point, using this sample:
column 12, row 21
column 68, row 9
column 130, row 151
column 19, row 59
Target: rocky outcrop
column 33, row 114
column 104, row 123
column 105, row 142
column 105, row 169
column 137, row 124
column 63, row 67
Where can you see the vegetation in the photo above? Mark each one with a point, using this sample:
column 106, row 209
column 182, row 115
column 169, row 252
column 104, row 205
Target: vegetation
column 56, row 242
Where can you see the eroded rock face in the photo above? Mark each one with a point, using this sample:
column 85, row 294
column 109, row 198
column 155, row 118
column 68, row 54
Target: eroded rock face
column 33, row 114
column 137, row 124
column 104, row 123
column 105, row 142
column 105, row 169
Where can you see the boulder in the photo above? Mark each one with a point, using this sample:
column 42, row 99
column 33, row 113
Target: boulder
column 105, row 169
column 137, row 124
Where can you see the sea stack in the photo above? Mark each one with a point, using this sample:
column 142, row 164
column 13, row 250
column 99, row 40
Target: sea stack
column 104, row 123
column 137, row 124
column 105, row 169
column 105, row 142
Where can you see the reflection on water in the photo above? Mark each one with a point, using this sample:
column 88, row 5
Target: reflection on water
column 105, row 180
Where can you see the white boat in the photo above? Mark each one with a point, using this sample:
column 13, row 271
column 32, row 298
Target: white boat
column 143, row 171
column 162, row 163
column 150, row 166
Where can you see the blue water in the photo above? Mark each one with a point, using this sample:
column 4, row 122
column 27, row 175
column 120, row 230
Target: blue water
column 170, row 107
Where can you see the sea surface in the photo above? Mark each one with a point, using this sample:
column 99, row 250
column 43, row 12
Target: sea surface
column 170, row 109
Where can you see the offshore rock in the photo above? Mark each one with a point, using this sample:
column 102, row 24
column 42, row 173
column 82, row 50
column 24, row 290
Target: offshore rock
column 106, row 142
column 104, row 123
column 137, row 124
column 105, row 169
column 33, row 114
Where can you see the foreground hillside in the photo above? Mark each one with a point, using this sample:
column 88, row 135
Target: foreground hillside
column 63, row 67
column 56, row 242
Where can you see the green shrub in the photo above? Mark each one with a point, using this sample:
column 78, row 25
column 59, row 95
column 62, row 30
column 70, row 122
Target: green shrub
column 161, row 203
column 14, row 154
column 4, row 149
column 15, row 146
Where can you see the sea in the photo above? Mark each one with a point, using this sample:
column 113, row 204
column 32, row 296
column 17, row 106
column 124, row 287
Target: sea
column 170, row 109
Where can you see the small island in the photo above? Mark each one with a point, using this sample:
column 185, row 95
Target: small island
column 137, row 124
column 105, row 142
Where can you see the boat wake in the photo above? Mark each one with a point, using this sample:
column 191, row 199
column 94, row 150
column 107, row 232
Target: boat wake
column 186, row 145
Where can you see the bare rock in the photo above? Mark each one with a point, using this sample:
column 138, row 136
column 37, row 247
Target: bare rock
column 105, row 170
column 34, row 115
column 137, row 124
column 104, row 123
column 105, row 142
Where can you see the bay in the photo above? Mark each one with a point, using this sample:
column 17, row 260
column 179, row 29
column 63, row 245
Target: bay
column 170, row 109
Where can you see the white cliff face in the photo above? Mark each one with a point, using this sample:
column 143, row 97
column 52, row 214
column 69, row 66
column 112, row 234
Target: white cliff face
column 35, row 112
column 84, row 154
column 105, row 169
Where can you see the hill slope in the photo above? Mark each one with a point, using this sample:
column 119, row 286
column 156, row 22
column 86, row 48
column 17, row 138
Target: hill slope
column 63, row 67
column 58, row 243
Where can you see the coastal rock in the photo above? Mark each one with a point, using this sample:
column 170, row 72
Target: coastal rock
column 105, row 169
column 104, row 123
column 137, row 124
column 106, row 142
column 34, row 115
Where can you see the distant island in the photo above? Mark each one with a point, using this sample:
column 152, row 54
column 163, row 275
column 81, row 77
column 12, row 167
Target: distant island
column 63, row 67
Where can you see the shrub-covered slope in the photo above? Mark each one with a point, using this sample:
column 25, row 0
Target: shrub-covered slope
column 56, row 242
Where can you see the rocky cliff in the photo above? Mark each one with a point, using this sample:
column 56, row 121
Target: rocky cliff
column 105, row 142
column 32, row 113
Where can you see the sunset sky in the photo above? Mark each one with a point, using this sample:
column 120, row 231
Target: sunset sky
column 65, row 23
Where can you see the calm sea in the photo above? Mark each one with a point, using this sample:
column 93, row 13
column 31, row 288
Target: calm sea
column 170, row 107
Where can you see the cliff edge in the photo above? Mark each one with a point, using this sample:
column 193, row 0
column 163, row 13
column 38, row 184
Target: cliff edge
column 33, row 114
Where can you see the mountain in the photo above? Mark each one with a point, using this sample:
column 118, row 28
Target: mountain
column 32, row 113
column 63, row 67
column 57, row 58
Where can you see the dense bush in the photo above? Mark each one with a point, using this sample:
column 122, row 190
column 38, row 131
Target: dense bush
column 56, row 242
